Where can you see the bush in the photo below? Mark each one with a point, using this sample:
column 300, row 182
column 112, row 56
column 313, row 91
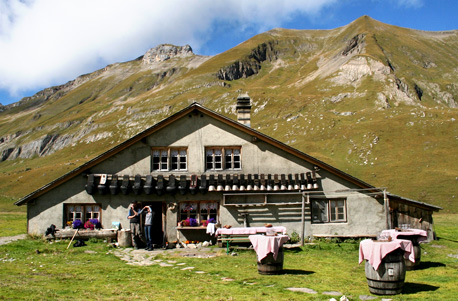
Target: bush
column 294, row 237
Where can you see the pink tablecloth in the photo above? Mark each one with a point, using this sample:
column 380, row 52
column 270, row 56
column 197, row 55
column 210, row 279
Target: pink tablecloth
column 248, row 230
column 264, row 244
column 375, row 251
column 421, row 235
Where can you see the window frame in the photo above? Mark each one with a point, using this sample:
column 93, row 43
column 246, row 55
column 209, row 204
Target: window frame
column 332, row 211
column 197, row 213
column 212, row 165
column 168, row 163
column 84, row 211
column 180, row 159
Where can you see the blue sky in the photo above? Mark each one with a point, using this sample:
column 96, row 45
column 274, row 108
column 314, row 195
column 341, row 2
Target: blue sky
column 49, row 42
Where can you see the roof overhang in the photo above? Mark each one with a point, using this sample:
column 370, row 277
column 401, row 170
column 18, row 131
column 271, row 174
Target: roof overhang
column 413, row 202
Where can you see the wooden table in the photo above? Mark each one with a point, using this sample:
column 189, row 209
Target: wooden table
column 265, row 244
column 416, row 236
column 385, row 267
column 269, row 252
column 374, row 251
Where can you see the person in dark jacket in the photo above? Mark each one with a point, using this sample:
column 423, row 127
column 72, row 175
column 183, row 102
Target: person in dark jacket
column 134, row 219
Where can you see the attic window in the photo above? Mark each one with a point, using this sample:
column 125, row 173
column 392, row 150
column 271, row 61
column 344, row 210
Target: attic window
column 178, row 159
column 165, row 159
column 160, row 160
column 215, row 160
column 232, row 158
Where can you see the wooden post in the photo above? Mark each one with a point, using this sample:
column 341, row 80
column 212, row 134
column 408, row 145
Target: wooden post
column 387, row 210
column 72, row 238
column 303, row 221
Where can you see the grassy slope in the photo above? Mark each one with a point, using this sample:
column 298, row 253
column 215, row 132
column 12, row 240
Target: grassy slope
column 414, row 155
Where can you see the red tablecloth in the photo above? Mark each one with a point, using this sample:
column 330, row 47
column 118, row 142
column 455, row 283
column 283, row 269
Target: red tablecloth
column 375, row 251
column 249, row 230
column 264, row 244
column 421, row 235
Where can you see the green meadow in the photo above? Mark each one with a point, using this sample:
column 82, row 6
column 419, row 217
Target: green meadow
column 34, row 268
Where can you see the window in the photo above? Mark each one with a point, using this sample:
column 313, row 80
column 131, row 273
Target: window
column 92, row 212
column 166, row 159
column 208, row 211
column 232, row 158
column 214, row 158
column 160, row 160
column 325, row 211
column 178, row 159
column 337, row 210
column 82, row 212
column 188, row 210
column 200, row 211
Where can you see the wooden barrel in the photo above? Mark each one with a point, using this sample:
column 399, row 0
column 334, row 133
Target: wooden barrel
column 124, row 238
column 412, row 265
column 390, row 276
column 270, row 266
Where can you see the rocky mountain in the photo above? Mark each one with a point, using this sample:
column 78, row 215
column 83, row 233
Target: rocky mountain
column 375, row 100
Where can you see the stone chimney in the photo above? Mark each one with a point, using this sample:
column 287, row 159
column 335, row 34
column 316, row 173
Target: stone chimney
column 243, row 109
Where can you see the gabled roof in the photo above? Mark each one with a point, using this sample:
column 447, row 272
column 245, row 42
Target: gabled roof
column 194, row 107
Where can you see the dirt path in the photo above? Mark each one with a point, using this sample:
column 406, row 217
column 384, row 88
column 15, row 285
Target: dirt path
column 7, row 239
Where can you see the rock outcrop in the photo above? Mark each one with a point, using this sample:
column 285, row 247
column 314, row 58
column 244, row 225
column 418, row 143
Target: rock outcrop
column 355, row 45
column 165, row 52
column 251, row 64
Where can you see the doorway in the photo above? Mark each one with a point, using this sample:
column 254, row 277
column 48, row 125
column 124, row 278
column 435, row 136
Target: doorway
column 157, row 232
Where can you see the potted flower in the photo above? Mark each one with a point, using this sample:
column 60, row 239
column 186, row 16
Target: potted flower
column 77, row 224
column 88, row 225
column 96, row 223
column 193, row 222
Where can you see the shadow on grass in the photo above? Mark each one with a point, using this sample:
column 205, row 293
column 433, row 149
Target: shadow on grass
column 296, row 272
column 440, row 237
column 429, row 264
column 413, row 288
column 293, row 250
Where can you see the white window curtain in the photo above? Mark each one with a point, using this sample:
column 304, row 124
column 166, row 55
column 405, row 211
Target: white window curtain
column 188, row 206
column 208, row 206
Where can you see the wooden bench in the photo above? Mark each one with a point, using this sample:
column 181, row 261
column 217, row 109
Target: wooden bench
column 109, row 234
column 343, row 237
column 241, row 235
column 232, row 238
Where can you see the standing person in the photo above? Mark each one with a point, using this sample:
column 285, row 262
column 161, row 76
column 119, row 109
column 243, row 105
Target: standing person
column 134, row 219
column 148, row 227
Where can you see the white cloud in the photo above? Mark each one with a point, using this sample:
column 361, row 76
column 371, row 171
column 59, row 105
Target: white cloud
column 46, row 42
column 404, row 3
column 411, row 3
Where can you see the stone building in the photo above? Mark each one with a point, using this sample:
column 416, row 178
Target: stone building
column 198, row 164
